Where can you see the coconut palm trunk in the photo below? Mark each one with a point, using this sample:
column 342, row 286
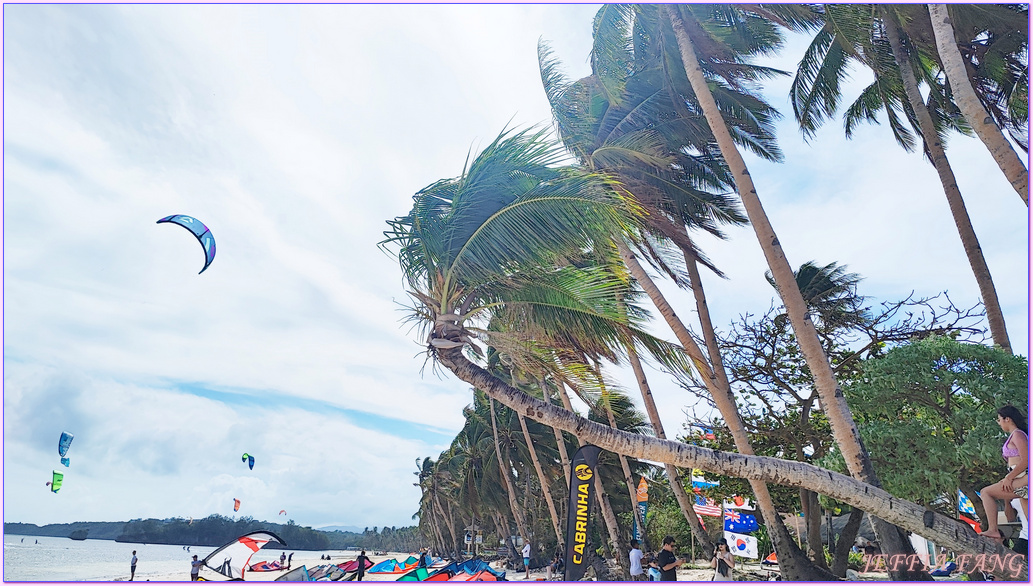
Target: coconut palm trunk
column 938, row 156
column 976, row 115
column 684, row 501
column 945, row 531
column 630, row 482
column 840, row 418
column 542, row 480
column 504, row 471
column 609, row 518
column 796, row 566
column 561, row 444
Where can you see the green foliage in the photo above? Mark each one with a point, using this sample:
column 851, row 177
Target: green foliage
column 927, row 413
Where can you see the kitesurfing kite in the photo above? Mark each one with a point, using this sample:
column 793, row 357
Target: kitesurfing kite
column 234, row 557
column 282, row 512
column 236, row 505
column 203, row 234
column 249, row 459
column 55, row 483
column 62, row 446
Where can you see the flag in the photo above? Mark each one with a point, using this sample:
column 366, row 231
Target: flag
column 744, row 546
column 738, row 502
column 700, row 482
column 582, row 485
column 642, row 496
column 964, row 504
column 704, row 506
column 740, row 522
column 708, row 433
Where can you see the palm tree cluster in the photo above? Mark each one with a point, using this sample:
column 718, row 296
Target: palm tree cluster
column 529, row 272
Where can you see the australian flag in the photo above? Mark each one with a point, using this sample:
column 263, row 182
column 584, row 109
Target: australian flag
column 738, row 522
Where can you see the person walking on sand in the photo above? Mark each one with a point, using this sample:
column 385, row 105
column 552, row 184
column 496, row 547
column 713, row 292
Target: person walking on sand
column 723, row 562
column 195, row 568
column 635, row 557
column 132, row 567
column 527, row 559
column 667, row 562
column 361, row 567
column 1016, row 482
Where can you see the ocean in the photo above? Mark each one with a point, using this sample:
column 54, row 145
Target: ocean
column 28, row 558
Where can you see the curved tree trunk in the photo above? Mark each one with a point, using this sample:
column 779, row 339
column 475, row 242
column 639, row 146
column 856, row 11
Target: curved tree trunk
column 945, row 531
column 846, row 541
column 976, row 115
column 938, row 156
column 795, row 566
column 630, row 481
column 684, row 501
column 841, row 420
column 448, row 521
column 561, row 444
column 542, row 480
column 504, row 471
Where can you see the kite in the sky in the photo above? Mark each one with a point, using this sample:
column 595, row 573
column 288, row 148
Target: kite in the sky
column 204, row 235
column 55, row 483
column 62, row 447
column 236, row 505
column 282, row 512
column 249, row 460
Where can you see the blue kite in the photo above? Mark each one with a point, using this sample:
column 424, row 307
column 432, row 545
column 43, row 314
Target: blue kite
column 62, row 447
column 249, row 460
column 203, row 234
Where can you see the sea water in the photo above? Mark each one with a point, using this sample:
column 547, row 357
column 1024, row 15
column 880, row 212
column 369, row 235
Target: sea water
column 58, row 559
column 28, row 558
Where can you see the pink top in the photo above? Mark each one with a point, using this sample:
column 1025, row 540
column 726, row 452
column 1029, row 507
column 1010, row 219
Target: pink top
column 1006, row 450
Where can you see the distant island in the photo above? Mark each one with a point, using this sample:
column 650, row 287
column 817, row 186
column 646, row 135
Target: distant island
column 216, row 530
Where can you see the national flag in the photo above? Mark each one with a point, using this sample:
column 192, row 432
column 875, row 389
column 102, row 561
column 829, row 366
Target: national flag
column 744, row 546
column 740, row 522
column 700, row 482
column 964, row 504
column 706, row 507
column 738, row 502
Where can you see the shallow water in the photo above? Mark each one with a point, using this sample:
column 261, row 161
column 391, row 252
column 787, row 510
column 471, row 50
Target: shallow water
column 59, row 559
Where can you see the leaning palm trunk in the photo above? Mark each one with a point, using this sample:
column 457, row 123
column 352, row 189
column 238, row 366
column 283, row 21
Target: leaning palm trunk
column 504, row 471
column 973, row 110
column 938, row 156
column 448, row 521
column 630, row 481
column 840, row 418
column 612, row 527
column 561, row 444
column 542, row 480
column 945, row 531
column 684, row 502
column 796, row 566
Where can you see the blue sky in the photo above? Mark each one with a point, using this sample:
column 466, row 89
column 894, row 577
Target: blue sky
column 293, row 132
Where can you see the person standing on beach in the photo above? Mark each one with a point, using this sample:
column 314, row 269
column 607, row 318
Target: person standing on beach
column 132, row 567
column 723, row 562
column 1016, row 482
column 283, row 559
column 195, row 568
column 361, row 568
column 667, row 562
column 635, row 556
column 527, row 559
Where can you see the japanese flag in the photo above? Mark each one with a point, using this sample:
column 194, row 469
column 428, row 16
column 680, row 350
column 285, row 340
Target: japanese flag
column 744, row 546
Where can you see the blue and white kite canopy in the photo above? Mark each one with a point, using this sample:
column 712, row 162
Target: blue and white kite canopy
column 204, row 235
column 63, row 444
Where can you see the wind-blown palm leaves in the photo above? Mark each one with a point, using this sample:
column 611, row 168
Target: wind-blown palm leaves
column 496, row 245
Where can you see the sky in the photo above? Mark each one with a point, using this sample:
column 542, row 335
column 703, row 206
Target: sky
column 293, row 133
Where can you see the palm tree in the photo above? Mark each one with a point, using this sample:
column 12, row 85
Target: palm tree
column 843, row 426
column 639, row 126
column 971, row 106
column 487, row 242
column 870, row 35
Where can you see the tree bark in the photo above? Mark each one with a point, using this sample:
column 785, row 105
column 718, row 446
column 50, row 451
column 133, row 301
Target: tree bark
column 632, row 489
column 795, row 565
column 846, row 542
column 504, row 472
column 542, row 480
column 840, row 418
column 944, row 530
column 967, row 100
column 684, row 501
column 938, row 156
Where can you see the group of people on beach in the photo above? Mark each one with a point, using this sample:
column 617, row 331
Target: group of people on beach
column 664, row 565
